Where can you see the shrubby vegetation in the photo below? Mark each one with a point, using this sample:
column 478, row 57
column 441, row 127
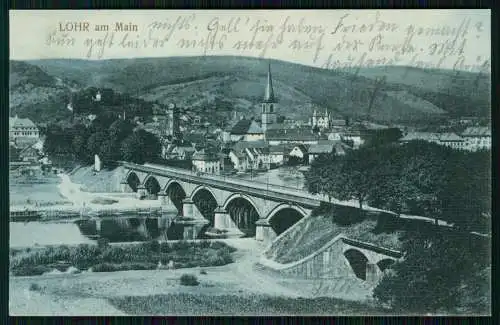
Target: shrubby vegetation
column 417, row 178
column 106, row 258
column 441, row 265
column 189, row 280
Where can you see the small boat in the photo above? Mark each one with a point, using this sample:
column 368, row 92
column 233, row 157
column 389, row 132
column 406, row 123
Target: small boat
column 25, row 215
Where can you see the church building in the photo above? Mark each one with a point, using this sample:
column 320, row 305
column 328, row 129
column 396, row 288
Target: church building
column 269, row 104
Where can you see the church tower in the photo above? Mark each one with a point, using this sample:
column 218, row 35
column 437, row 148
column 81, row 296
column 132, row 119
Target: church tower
column 173, row 120
column 268, row 104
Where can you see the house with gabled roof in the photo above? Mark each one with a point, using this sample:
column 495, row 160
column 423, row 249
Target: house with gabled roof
column 206, row 161
column 22, row 131
column 476, row 138
column 452, row 140
column 245, row 130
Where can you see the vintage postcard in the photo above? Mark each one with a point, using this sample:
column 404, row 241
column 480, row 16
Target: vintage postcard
column 250, row 162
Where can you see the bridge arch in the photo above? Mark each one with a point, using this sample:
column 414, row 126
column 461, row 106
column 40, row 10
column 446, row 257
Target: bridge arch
column 152, row 185
column 176, row 193
column 358, row 262
column 285, row 216
column 206, row 188
column 240, row 196
column 243, row 212
column 133, row 180
column 206, row 202
column 385, row 263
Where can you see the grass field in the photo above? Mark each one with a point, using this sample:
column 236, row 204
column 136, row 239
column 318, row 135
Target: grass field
column 196, row 304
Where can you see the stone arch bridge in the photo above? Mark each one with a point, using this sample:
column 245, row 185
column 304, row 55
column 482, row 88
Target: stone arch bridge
column 228, row 204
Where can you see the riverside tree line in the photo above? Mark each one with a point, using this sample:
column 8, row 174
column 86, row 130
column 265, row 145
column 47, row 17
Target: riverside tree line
column 444, row 268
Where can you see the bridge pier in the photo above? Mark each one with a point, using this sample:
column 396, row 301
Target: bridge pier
column 167, row 206
column 141, row 192
column 98, row 222
column 372, row 273
column 223, row 221
column 168, row 211
column 264, row 231
column 124, row 187
column 189, row 210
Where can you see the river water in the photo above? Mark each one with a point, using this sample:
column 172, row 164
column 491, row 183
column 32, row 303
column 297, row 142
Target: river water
column 115, row 228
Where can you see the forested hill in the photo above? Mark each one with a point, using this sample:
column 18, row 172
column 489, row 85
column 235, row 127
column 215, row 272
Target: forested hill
column 236, row 84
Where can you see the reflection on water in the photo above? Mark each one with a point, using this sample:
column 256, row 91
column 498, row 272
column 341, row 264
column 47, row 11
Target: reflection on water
column 115, row 228
column 31, row 234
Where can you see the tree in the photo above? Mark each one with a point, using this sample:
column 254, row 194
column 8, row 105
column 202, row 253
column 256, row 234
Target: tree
column 360, row 175
column 467, row 195
column 430, row 276
column 120, row 129
column 320, row 178
column 140, row 147
column 384, row 136
column 130, row 149
column 95, row 142
column 108, row 152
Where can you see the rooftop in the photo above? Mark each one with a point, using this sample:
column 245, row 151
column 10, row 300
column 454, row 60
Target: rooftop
column 321, row 148
column 477, row 131
column 205, row 155
column 450, row 137
column 297, row 134
column 16, row 122
column 245, row 126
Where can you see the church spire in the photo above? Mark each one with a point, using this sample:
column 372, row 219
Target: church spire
column 269, row 95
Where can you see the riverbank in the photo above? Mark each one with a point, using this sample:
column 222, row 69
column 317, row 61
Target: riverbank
column 60, row 198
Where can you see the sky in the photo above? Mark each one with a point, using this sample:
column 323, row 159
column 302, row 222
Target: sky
column 452, row 39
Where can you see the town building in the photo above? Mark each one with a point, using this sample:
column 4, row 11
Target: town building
column 279, row 154
column 166, row 121
column 254, row 155
column 29, row 154
column 423, row 136
column 206, row 161
column 317, row 149
column 321, row 120
column 299, row 151
column 23, row 132
column 293, row 136
column 244, row 130
column 326, row 147
column 477, row 138
column 239, row 160
column 452, row 140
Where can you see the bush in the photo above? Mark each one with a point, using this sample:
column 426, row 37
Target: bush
column 31, row 270
column 220, row 245
column 35, row 287
column 152, row 246
column 189, row 280
column 102, row 242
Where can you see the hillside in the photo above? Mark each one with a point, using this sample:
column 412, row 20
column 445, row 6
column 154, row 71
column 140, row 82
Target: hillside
column 37, row 95
column 231, row 84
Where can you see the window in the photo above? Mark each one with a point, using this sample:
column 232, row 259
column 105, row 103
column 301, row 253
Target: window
column 271, row 108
